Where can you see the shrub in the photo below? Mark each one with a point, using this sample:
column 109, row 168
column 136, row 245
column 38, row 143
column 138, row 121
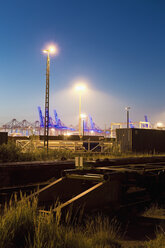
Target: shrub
column 9, row 152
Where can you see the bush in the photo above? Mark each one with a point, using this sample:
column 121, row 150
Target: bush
column 9, row 152
column 12, row 153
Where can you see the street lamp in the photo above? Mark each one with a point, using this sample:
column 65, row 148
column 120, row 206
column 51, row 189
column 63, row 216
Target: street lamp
column 159, row 125
column 50, row 50
column 80, row 88
column 83, row 117
column 127, row 109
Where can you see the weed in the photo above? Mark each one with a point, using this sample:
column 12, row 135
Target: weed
column 9, row 152
column 159, row 242
column 154, row 210
column 21, row 225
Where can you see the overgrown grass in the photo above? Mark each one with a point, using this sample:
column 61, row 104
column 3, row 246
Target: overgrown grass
column 10, row 152
column 159, row 242
column 154, row 211
column 17, row 223
column 21, row 225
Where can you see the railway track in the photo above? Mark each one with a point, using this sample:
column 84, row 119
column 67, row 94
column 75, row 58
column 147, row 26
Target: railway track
column 6, row 193
column 117, row 184
column 112, row 187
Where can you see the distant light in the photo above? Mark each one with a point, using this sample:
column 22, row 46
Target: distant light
column 80, row 87
column 52, row 49
column 92, row 131
column 159, row 124
column 67, row 134
column 83, row 116
column 127, row 108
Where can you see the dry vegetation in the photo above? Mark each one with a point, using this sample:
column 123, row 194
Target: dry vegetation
column 11, row 153
column 21, row 225
column 155, row 211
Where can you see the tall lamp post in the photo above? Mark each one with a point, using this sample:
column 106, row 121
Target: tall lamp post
column 48, row 51
column 127, row 109
column 80, row 88
column 83, row 117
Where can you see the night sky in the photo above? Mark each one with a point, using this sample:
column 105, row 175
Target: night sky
column 116, row 47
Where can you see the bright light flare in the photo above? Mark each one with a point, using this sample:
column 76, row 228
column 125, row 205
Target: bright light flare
column 159, row 124
column 52, row 49
column 67, row 134
column 80, row 87
column 83, row 116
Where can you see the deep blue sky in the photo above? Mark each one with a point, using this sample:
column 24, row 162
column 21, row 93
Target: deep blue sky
column 117, row 47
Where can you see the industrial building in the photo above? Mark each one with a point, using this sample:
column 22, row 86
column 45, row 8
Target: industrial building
column 141, row 140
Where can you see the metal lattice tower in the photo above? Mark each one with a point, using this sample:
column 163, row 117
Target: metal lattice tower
column 46, row 126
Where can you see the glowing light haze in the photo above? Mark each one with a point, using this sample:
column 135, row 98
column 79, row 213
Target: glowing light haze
column 116, row 46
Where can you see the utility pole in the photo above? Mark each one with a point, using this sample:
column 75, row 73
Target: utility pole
column 127, row 109
column 46, row 126
column 80, row 88
column 50, row 50
column 80, row 134
column 105, row 131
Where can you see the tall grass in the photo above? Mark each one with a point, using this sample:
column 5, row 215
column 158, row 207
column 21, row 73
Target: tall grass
column 17, row 223
column 10, row 152
column 159, row 242
column 154, row 210
column 21, row 225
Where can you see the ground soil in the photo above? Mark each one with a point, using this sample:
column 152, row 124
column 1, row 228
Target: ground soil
column 141, row 229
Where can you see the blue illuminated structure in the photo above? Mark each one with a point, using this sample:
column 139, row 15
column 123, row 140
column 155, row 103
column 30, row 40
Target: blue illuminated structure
column 93, row 126
column 146, row 120
column 57, row 123
column 92, row 123
column 41, row 117
column 57, row 120
column 131, row 125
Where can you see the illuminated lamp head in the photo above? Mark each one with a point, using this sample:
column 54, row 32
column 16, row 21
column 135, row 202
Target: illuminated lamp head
column 80, row 88
column 52, row 49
